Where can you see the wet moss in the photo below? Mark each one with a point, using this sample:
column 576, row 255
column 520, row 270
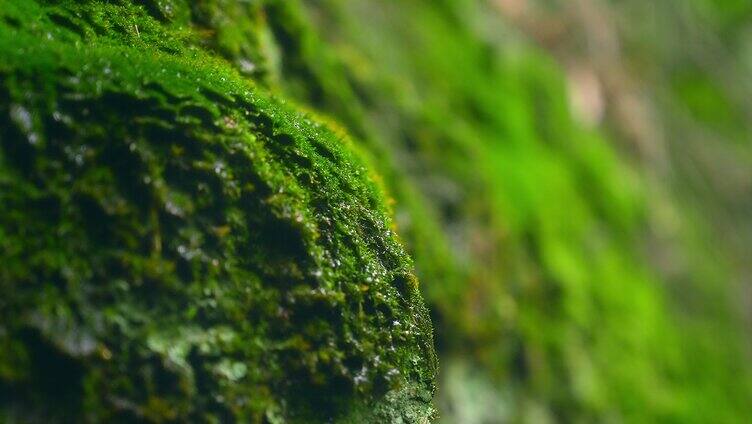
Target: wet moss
column 178, row 244
column 526, row 227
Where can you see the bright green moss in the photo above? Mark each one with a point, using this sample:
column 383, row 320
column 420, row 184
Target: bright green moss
column 527, row 229
column 179, row 245
column 142, row 169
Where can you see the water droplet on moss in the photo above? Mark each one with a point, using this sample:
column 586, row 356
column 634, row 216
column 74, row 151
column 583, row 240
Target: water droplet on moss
column 22, row 117
column 174, row 209
column 361, row 378
column 246, row 66
column 219, row 168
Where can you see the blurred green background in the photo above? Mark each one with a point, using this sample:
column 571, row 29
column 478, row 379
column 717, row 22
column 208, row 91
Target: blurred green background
column 572, row 179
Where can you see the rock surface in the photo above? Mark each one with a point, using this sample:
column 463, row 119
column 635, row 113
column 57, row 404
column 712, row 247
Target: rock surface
column 179, row 245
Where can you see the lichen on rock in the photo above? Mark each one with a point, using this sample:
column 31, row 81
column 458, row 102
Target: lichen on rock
column 178, row 244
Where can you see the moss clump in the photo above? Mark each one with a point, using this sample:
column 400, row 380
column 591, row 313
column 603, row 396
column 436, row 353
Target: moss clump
column 178, row 245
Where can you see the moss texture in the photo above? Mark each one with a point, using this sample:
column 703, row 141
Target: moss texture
column 177, row 244
column 180, row 245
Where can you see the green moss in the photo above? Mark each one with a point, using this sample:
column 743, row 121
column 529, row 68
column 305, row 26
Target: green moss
column 179, row 245
column 528, row 230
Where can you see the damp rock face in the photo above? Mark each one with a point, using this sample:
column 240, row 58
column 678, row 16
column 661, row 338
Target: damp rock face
column 178, row 245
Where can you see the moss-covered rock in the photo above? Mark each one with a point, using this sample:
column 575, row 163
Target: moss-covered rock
column 177, row 244
column 528, row 229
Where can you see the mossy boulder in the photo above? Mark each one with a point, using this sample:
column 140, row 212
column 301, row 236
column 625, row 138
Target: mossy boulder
column 528, row 229
column 179, row 245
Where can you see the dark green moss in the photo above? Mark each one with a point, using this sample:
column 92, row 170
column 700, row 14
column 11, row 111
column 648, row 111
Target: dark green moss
column 179, row 245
